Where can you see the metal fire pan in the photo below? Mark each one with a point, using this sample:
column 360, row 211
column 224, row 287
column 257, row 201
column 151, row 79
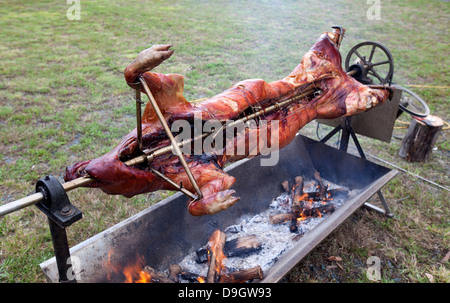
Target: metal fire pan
column 165, row 232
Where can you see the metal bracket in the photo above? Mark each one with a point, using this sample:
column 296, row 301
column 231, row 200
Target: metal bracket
column 56, row 204
column 341, row 34
column 61, row 213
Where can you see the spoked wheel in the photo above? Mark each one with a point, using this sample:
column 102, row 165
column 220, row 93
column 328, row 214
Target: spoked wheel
column 370, row 59
column 411, row 103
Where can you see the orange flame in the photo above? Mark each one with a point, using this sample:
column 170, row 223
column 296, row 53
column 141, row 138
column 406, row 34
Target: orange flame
column 302, row 217
column 216, row 250
column 201, row 279
column 110, row 269
column 303, row 197
column 144, row 277
column 132, row 272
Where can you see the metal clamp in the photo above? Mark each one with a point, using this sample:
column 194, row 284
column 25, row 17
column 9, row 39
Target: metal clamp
column 341, row 34
column 61, row 213
column 56, row 204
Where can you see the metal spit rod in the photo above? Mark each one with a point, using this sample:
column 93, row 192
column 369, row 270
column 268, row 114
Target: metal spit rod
column 139, row 117
column 70, row 185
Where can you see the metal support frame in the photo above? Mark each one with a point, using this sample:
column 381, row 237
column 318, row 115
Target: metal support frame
column 347, row 131
column 61, row 214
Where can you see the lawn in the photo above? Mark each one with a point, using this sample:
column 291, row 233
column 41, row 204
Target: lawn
column 63, row 99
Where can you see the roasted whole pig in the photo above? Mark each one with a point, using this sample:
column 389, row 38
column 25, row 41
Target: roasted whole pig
column 337, row 95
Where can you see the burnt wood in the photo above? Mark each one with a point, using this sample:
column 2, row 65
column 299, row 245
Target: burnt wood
column 242, row 275
column 157, row 276
column 307, row 212
column 236, row 247
column 215, row 247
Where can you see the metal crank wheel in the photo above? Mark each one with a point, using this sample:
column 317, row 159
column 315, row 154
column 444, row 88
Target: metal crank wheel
column 370, row 59
column 411, row 103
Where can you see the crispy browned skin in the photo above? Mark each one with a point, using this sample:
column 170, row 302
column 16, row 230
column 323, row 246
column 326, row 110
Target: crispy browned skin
column 321, row 67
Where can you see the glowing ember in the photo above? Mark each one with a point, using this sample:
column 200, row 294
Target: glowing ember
column 302, row 217
column 201, row 280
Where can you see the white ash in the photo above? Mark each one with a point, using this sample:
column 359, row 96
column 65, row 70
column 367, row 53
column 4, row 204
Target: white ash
column 275, row 239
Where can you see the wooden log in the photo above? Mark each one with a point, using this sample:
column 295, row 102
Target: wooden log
column 236, row 247
column 297, row 195
column 241, row 246
column 285, row 185
column 322, row 190
column 307, row 212
column 335, row 192
column 293, row 227
column 287, row 188
column 157, row 276
column 280, row 218
column 420, row 138
column 242, row 275
column 191, row 277
column 318, row 211
column 311, row 212
column 215, row 247
column 174, row 271
column 298, row 186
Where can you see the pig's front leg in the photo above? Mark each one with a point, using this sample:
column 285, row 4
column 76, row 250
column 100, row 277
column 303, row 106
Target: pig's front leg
column 216, row 194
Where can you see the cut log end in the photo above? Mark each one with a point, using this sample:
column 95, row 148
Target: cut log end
column 242, row 275
column 238, row 247
column 418, row 143
column 306, row 212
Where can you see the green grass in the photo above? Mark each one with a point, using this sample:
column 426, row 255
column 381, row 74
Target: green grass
column 63, row 99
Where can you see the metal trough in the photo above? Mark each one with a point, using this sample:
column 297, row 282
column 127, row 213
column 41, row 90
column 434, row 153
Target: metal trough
column 165, row 232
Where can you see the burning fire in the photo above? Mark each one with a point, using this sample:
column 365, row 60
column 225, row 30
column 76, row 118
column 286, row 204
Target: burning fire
column 215, row 249
column 132, row 272
column 201, row 280
column 308, row 202
column 144, row 277
column 302, row 217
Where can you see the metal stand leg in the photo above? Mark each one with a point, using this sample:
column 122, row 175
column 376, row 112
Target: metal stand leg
column 386, row 211
column 347, row 131
column 61, row 249
column 61, row 214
